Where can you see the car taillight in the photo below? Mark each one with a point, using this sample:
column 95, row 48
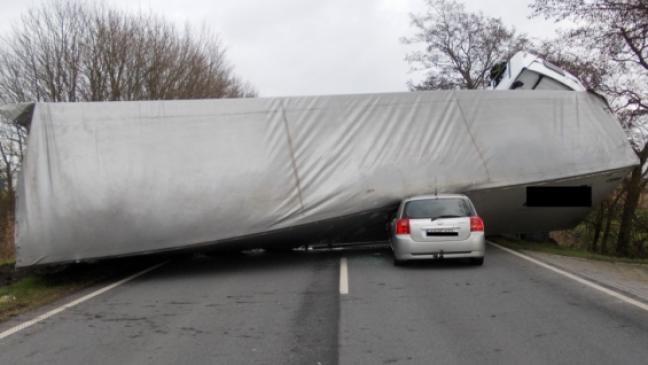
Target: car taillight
column 476, row 224
column 402, row 226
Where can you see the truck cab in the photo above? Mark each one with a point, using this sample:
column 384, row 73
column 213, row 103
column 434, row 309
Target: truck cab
column 526, row 71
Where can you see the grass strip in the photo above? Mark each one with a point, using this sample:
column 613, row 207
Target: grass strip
column 34, row 291
column 42, row 286
column 552, row 248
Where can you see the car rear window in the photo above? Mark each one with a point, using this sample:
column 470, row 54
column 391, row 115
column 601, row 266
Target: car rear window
column 437, row 208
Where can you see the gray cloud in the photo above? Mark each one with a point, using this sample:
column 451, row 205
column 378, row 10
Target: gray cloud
column 297, row 47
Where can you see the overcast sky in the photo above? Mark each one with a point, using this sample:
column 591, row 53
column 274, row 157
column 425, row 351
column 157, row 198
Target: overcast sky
column 306, row 47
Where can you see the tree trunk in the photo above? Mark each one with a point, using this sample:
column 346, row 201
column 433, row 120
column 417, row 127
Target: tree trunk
column 9, row 175
column 598, row 226
column 7, row 246
column 632, row 200
column 611, row 212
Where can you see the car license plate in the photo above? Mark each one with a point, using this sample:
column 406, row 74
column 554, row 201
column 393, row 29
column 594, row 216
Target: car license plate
column 442, row 232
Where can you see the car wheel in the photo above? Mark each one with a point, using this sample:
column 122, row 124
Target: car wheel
column 398, row 262
column 477, row 261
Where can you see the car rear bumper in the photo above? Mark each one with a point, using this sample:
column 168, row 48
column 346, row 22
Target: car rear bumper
column 407, row 249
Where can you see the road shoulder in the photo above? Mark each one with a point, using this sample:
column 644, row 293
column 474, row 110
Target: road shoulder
column 627, row 278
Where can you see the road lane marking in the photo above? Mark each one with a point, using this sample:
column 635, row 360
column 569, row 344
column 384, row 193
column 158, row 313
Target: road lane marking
column 344, row 276
column 586, row 282
column 75, row 302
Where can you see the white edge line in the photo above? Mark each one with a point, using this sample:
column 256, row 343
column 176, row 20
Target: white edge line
column 591, row 284
column 344, row 276
column 71, row 304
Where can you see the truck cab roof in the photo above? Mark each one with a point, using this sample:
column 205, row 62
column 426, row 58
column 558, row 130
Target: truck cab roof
column 526, row 71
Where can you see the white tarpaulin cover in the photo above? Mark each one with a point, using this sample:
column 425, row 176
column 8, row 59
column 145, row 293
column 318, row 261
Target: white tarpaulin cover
column 116, row 178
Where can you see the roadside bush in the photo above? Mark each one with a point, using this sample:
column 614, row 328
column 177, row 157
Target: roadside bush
column 597, row 233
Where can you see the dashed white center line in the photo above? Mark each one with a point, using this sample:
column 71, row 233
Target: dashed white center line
column 344, row 276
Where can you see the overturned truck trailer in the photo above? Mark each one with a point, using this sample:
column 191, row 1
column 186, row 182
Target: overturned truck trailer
column 124, row 178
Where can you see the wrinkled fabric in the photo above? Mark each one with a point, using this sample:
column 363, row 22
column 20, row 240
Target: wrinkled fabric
column 116, row 178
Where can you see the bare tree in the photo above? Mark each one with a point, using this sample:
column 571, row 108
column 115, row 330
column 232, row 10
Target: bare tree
column 75, row 51
column 12, row 142
column 612, row 34
column 562, row 53
column 460, row 46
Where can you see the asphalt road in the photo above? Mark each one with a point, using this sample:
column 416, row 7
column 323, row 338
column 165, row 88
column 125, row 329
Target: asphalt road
column 286, row 309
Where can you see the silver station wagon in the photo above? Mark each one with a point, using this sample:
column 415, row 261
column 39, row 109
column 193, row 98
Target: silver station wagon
column 436, row 227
